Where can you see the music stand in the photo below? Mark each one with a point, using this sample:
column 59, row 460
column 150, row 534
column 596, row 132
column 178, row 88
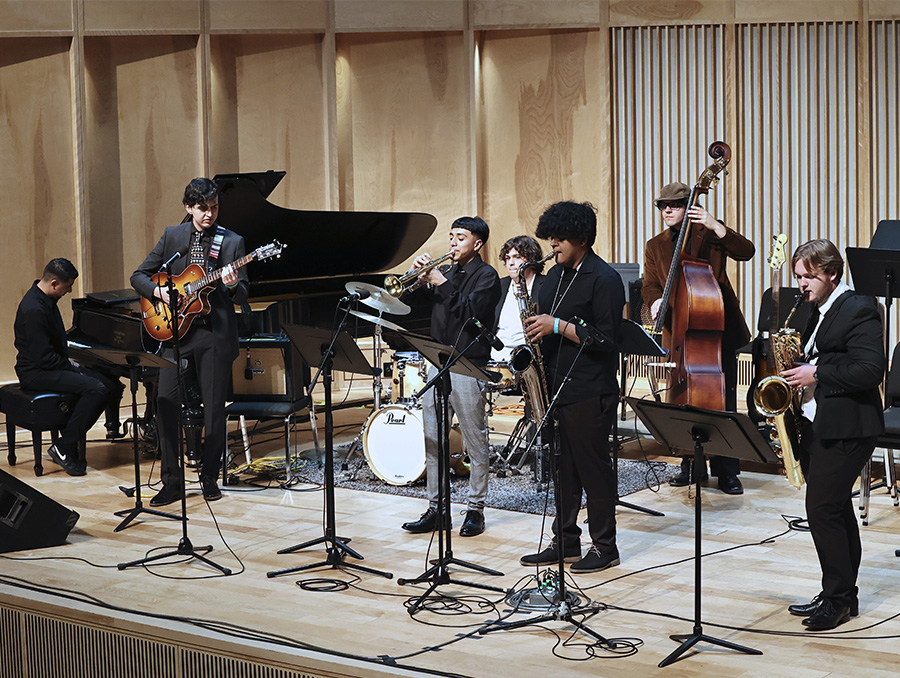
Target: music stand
column 332, row 350
column 134, row 361
column 633, row 340
column 876, row 274
column 446, row 360
column 683, row 426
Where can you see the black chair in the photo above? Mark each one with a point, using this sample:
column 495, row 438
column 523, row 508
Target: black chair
column 37, row 412
column 887, row 442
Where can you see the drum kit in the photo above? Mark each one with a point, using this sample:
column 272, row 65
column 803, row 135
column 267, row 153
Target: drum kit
column 393, row 436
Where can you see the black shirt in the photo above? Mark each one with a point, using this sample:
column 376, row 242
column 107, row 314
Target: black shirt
column 40, row 334
column 595, row 294
column 473, row 291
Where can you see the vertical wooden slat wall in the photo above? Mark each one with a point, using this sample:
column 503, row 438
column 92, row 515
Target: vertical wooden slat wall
column 446, row 106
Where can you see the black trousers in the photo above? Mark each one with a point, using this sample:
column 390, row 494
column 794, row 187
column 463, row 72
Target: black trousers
column 585, row 465
column 96, row 391
column 206, row 362
column 831, row 468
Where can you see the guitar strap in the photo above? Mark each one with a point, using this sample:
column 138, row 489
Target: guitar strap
column 215, row 248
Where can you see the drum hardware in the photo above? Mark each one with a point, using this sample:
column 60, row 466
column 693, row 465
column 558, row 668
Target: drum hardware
column 378, row 320
column 408, row 377
column 508, row 379
column 378, row 298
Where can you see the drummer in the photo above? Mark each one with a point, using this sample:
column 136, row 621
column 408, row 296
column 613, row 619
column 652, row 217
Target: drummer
column 508, row 322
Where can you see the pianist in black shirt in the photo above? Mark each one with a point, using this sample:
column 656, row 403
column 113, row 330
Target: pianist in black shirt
column 210, row 345
column 42, row 363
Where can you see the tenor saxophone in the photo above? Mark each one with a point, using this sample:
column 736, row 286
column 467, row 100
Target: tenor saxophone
column 526, row 361
column 779, row 403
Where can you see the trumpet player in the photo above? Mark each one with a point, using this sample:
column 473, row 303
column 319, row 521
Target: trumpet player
column 515, row 252
column 469, row 289
column 841, row 419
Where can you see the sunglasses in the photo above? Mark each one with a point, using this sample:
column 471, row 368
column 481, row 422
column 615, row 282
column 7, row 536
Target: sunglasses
column 674, row 204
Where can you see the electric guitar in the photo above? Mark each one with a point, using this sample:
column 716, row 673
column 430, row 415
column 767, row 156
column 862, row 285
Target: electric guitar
column 195, row 285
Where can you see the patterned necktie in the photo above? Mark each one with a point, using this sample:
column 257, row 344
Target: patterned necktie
column 198, row 256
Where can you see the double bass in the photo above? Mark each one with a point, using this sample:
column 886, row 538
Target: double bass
column 697, row 310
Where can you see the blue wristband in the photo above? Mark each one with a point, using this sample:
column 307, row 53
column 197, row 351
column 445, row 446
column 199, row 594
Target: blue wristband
column 556, row 326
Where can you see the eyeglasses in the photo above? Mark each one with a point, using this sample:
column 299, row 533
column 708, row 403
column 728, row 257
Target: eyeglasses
column 674, row 204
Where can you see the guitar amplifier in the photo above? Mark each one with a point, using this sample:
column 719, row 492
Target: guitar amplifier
column 269, row 368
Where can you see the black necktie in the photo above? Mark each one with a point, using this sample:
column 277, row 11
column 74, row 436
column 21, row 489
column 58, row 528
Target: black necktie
column 811, row 325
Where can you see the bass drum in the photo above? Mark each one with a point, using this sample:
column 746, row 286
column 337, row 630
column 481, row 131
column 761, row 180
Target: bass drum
column 394, row 444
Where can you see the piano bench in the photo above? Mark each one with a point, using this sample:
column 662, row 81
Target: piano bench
column 36, row 411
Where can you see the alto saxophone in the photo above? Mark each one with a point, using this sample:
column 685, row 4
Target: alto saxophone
column 525, row 361
column 779, row 403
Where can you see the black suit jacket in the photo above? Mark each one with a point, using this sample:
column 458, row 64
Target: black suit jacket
column 222, row 299
column 849, row 369
column 504, row 290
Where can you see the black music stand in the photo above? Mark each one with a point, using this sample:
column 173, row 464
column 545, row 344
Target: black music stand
column 876, row 273
column 633, row 340
column 332, row 350
column 134, row 361
column 732, row 435
column 446, row 360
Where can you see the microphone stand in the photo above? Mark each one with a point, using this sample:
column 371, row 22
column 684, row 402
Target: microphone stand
column 439, row 574
column 185, row 547
column 560, row 609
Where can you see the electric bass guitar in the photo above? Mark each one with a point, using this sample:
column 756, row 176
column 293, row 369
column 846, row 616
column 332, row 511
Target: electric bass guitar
column 195, row 285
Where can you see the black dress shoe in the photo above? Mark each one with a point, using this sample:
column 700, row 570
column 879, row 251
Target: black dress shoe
column 426, row 523
column 810, row 608
column 595, row 561
column 549, row 555
column 730, row 485
column 684, row 479
column 167, row 495
column 829, row 615
column 473, row 525
column 210, row 488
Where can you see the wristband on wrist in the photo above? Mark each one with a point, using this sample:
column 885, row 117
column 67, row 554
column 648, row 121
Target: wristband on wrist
column 556, row 326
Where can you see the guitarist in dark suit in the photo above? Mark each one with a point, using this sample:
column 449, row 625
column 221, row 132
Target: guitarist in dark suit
column 210, row 346
column 515, row 252
column 842, row 417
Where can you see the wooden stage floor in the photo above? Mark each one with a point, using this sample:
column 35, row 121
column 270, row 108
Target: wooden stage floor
column 753, row 569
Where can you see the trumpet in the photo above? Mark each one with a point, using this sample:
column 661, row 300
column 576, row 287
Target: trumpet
column 397, row 286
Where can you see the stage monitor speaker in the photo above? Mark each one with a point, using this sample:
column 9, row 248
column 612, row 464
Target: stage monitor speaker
column 29, row 519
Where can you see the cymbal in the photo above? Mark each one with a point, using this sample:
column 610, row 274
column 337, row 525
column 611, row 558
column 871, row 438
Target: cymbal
column 378, row 321
column 378, row 298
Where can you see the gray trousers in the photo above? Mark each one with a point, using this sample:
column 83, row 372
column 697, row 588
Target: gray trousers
column 468, row 403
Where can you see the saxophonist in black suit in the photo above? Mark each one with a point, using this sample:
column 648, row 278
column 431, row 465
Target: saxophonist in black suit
column 211, row 345
column 842, row 417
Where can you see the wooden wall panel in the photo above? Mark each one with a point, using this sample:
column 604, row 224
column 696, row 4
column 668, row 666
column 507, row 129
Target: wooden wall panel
column 797, row 162
column 668, row 105
column 885, row 150
column 271, row 15
column 883, row 9
column 403, row 119
column 28, row 15
column 537, row 13
column 142, row 145
column 672, row 12
column 268, row 112
column 141, row 16
column 396, row 15
column 541, row 124
column 779, row 10
column 36, row 143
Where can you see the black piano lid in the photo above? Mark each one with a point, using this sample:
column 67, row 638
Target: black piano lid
column 319, row 244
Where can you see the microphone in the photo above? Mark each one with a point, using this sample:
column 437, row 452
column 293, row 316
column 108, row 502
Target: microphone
column 248, row 371
column 495, row 343
column 359, row 295
column 593, row 332
column 171, row 260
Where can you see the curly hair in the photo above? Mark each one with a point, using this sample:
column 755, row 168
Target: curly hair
column 569, row 220
column 200, row 192
column 526, row 246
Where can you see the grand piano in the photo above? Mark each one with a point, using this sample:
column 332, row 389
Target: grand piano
column 324, row 250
